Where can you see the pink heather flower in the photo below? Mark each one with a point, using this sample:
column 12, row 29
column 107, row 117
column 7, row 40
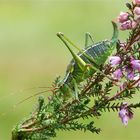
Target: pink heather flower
column 122, row 44
column 135, row 64
column 123, row 17
column 125, row 113
column 114, row 60
column 130, row 73
column 128, row 25
column 117, row 74
column 136, row 2
column 137, row 10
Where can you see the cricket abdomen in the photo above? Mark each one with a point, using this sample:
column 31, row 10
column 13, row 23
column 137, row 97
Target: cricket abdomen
column 97, row 51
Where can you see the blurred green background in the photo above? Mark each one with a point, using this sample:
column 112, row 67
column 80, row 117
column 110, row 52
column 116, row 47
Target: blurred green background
column 32, row 56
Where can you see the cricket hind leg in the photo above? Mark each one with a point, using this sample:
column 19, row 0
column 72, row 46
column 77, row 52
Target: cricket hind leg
column 88, row 37
column 65, row 39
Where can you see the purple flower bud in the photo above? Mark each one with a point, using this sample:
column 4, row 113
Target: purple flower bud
column 122, row 44
column 123, row 116
column 114, row 60
column 137, row 10
column 128, row 25
column 136, row 2
column 130, row 73
column 123, row 17
column 117, row 74
column 125, row 113
column 135, row 64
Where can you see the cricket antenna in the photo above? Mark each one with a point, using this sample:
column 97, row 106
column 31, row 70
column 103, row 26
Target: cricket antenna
column 20, row 102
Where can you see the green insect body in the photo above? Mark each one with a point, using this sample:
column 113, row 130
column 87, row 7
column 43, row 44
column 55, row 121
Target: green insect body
column 87, row 61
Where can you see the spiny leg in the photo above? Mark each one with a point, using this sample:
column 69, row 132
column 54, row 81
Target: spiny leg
column 87, row 38
column 76, row 57
column 64, row 39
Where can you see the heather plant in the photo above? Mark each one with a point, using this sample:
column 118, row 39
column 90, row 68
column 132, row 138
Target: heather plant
column 100, row 78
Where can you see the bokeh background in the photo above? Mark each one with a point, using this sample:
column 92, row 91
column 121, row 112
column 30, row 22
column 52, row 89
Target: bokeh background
column 32, row 56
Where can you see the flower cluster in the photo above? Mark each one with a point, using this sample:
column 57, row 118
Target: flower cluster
column 126, row 68
column 128, row 71
column 129, row 20
column 125, row 113
column 126, row 65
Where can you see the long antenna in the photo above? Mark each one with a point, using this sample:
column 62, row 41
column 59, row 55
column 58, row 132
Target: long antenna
column 16, row 105
column 21, row 91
